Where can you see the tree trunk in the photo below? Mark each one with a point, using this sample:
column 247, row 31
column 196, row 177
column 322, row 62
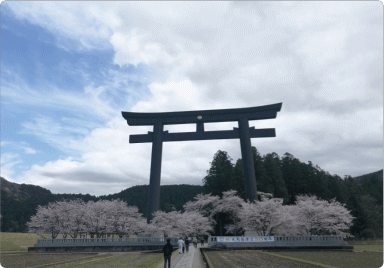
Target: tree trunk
column 221, row 227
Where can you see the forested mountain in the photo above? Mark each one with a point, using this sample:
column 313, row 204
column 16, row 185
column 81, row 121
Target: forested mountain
column 284, row 177
column 19, row 201
column 360, row 179
column 172, row 197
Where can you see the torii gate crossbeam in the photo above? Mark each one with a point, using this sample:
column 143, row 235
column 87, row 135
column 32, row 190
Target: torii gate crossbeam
column 243, row 132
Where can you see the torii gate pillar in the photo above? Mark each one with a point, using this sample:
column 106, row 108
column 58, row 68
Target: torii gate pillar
column 154, row 180
column 243, row 132
column 247, row 157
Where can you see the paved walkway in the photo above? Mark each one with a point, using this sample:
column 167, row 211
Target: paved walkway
column 190, row 259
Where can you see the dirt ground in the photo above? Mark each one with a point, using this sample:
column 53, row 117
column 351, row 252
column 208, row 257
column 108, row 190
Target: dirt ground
column 250, row 259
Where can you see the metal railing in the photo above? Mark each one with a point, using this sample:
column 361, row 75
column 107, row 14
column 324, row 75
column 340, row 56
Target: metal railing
column 104, row 241
column 323, row 240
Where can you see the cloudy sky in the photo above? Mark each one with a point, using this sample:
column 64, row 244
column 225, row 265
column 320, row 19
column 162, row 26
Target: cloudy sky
column 68, row 69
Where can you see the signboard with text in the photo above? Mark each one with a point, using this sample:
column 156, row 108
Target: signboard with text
column 245, row 239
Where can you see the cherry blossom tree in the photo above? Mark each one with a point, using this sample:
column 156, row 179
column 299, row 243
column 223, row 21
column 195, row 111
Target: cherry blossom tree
column 212, row 207
column 320, row 217
column 167, row 224
column 288, row 225
column 46, row 221
column 197, row 224
column 113, row 217
column 204, row 204
column 266, row 217
column 77, row 212
column 309, row 216
column 231, row 205
column 70, row 217
column 123, row 219
column 176, row 224
column 95, row 218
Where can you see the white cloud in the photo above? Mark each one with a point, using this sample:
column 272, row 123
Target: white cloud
column 322, row 48
column 109, row 163
column 8, row 161
column 4, row 143
column 319, row 58
column 17, row 90
column 29, row 150
column 8, row 157
column 71, row 22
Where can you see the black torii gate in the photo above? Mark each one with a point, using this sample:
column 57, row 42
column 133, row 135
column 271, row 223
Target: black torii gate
column 158, row 136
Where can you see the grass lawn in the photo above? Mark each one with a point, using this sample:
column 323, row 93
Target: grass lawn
column 130, row 259
column 25, row 259
column 250, row 259
column 21, row 240
column 10, row 246
column 14, row 247
column 366, row 242
column 365, row 259
column 367, row 245
column 81, row 260
column 326, row 259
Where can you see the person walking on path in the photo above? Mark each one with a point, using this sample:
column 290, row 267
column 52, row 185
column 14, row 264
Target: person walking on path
column 180, row 243
column 183, row 245
column 195, row 242
column 202, row 241
column 167, row 249
column 187, row 244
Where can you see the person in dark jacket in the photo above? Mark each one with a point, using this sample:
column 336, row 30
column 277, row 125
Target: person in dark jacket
column 195, row 242
column 186, row 244
column 167, row 249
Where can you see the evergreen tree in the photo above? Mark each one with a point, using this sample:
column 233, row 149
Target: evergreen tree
column 318, row 184
column 293, row 176
column 263, row 181
column 237, row 182
column 373, row 186
column 353, row 204
column 373, row 216
column 272, row 166
column 219, row 175
column 337, row 188
column 371, row 202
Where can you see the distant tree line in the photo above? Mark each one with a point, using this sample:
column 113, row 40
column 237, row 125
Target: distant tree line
column 268, row 216
column 284, row 178
column 288, row 178
column 308, row 216
column 17, row 212
column 104, row 218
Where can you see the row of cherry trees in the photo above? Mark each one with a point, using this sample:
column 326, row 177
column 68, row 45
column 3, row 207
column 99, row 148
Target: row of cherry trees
column 75, row 217
column 104, row 218
column 308, row 216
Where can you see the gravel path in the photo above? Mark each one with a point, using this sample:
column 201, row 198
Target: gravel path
column 191, row 259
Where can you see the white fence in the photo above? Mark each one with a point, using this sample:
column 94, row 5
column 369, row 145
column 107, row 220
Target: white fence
column 276, row 241
column 70, row 242
column 229, row 241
